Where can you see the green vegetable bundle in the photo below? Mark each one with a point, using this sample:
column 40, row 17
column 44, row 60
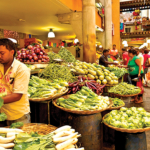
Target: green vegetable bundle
column 53, row 56
column 3, row 116
column 117, row 102
column 40, row 88
column 55, row 71
column 119, row 72
column 125, row 89
column 66, row 55
column 130, row 118
column 85, row 99
column 33, row 141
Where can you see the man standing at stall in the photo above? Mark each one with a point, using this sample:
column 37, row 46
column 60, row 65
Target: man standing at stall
column 15, row 76
column 104, row 59
column 125, row 56
column 114, row 53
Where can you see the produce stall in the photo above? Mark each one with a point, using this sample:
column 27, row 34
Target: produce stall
column 75, row 88
column 130, row 124
column 38, row 136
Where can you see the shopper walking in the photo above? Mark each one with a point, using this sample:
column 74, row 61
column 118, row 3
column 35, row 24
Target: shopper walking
column 146, row 56
column 135, row 71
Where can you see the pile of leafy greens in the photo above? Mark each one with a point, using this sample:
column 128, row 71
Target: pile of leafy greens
column 40, row 88
column 130, row 118
column 34, row 141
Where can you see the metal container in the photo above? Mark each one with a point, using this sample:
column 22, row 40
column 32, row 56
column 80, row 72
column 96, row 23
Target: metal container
column 130, row 141
column 89, row 126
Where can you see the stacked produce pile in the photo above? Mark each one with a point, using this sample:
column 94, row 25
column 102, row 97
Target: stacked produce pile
column 41, row 88
column 117, row 102
column 130, row 118
column 7, row 137
column 63, row 138
column 94, row 71
column 66, row 55
column 119, row 72
column 124, row 89
column 85, row 99
column 63, row 54
column 55, row 71
column 84, row 81
column 32, row 54
column 53, row 56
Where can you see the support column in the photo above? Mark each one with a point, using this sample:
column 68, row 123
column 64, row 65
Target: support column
column 89, row 33
column 108, row 23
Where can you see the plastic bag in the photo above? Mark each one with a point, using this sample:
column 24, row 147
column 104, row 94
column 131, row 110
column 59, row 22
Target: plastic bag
column 140, row 85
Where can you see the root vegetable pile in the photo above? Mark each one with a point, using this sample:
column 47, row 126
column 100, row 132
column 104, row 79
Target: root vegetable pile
column 83, row 81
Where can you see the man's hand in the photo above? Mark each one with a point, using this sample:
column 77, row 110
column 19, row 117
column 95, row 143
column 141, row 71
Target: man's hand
column 10, row 98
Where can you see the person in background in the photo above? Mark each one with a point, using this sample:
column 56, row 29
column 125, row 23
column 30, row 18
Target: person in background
column 104, row 59
column 146, row 56
column 125, row 56
column 15, row 78
column 135, row 71
column 140, row 56
column 114, row 53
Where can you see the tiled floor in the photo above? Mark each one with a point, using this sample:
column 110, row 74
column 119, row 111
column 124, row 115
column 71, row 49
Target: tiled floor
column 146, row 105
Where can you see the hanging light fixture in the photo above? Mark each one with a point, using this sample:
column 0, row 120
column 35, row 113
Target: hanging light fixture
column 76, row 41
column 148, row 41
column 13, row 40
column 126, row 45
column 124, row 42
column 51, row 34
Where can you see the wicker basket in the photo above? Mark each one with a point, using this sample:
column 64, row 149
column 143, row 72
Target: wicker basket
column 49, row 98
column 127, row 130
column 41, row 129
column 81, row 112
column 124, row 95
column 116, row 108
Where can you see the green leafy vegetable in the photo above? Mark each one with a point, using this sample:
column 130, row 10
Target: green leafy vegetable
column 33, row 141
column 66, row 55
column 85, row 99
column 53, row 56
column 17, row 125
column 55, row 71
column 125, row 89
column 117, row 102
column 3, row 117
column 130, row 118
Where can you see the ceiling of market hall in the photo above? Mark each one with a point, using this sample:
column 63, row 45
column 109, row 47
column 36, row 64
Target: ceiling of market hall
column 38, row 16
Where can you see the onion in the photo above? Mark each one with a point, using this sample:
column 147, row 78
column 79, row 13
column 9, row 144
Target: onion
column 35, row 58
column 28, row 60
column 27, row 51
column 30, row 47
column 39, row 61
column 30, row 57
column 40, row 56
column 32, row 60
column 18, row 52
column 41, row 53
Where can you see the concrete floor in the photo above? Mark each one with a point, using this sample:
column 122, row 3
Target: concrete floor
column 146, row 106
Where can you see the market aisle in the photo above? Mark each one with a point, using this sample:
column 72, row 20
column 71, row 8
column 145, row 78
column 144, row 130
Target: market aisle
column 146, row 106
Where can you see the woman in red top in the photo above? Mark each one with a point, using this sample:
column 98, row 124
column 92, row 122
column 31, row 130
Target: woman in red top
column 125, row 56
column 146, row 56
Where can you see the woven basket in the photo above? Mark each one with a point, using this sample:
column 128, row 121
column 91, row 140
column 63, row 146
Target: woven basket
column 81, row 112
column 116, row 108
column 124, row 95
column 127, row 130
column 41, row 129
column 49, row 98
